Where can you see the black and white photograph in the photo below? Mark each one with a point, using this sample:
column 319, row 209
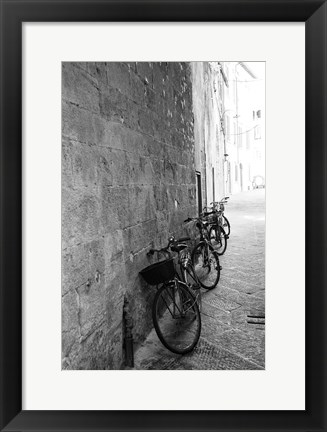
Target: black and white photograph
column 163, row 215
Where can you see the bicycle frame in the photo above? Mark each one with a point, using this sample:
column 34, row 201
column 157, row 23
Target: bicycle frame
column 177, row 312
column 204, row 238
column 186, row 265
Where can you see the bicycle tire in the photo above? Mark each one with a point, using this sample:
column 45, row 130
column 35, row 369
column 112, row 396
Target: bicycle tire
column 203, row 265
column 226, row 225
column 218, row 239
column 179, row 333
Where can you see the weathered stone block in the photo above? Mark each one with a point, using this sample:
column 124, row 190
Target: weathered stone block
column 150, row 98
column 67, row 164
column 113, row 246
column 114, row 207
column 160, row 130
column 160, row 193
column 131, row 118
column 85, row 127
column 137, row 89
column 116, row 282
column 176, row 219
column 115, row 352
column 141, row 205
column 78, row 88
column 113, row 104
column 119, row 168
column 118, row 76
column 70, row 322
column 152, row 148
column 80, row 65
column 81, row 217
column 159, row 77
column 158, row 170
column 139, row 236
column 170, row 172
column 162, row 222
column 131, row 66
column 77, row 123
column 98, row 70
column 75, row 267
column 99, row 351
column 91, row 166
column 81, row 264
column 145, row 122
column 161, row 106
column 176, row 75
column 92, row 310
column 145, row 71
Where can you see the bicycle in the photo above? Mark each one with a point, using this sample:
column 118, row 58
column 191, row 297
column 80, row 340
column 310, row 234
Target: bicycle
column 220, row 205
column 175, row 310
column 217, row 235
column 204, row 257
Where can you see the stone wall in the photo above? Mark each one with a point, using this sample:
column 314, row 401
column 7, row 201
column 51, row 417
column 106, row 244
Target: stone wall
column 128, row 181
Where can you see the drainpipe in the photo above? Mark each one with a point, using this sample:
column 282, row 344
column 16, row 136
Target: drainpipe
column 128, row 335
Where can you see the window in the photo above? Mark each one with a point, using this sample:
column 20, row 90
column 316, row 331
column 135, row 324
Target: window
column 257, row 132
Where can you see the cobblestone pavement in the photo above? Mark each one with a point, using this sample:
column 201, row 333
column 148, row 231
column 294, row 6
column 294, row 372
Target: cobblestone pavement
column 233, row 314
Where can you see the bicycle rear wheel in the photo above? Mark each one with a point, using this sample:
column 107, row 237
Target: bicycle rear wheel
column 206, row 265
column 226, row 225
column 176, row 317
column 218, row 239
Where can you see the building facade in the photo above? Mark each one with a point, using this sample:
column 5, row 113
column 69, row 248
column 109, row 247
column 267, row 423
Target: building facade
column 243, row 123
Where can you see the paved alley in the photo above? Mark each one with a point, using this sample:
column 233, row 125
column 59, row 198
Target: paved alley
column 233, row 314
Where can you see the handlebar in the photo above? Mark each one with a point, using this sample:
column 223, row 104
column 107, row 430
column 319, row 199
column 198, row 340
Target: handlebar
column 182, row 239
column 171, row 241
column 223, row 201
column 189, row 220
column 197, row 219
column 152, row 251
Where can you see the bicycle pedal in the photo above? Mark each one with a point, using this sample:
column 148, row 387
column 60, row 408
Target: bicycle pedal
column 220, row 267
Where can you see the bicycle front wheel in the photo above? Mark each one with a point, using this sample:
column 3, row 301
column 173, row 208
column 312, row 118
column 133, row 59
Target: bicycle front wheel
column 191, row 280
column 206, row 265
column 176, row 317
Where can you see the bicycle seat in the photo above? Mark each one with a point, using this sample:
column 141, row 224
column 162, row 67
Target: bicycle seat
column 178, row 247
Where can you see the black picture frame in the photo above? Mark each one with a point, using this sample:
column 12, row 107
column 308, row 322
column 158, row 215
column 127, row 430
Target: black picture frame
column 13, row 14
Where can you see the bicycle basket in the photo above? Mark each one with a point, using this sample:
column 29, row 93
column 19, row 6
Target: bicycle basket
column 212, row 219
column 159, row 272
